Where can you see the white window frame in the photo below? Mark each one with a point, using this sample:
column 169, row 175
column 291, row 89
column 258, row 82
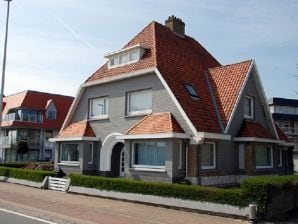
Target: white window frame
column 104, row 116
column 280, row 158
column 251, row 106
column 145, row 167
column 92, row 152
column 214, row 157
column 271, row 158
column 138, row 112
column 69, row 162
column 126, row 54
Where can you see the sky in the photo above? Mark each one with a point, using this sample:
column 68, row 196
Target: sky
column 55, row 45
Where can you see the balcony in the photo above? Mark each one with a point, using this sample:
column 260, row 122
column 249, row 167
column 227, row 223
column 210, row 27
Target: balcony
column 8, row 142
column 49, row 145
column 290, row 131
column 33, row 118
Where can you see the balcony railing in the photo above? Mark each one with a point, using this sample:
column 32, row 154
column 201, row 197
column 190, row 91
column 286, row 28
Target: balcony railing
column 7, row 141
column 27, row 118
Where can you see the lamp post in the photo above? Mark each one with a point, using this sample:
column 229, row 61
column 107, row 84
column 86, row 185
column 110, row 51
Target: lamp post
column 4, row 65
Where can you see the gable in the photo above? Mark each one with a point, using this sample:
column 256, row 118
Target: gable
column 261, row 115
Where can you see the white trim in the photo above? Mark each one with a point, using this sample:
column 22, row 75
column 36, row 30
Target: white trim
column 154, row 136
column 179, row 107
column 271, row 158
column 239, row 97
column 73, row 139
column 254, row 139
column 72, row 108
column 251, row 100
column 214, row 157
column 109, row 55
column 265, row 101
column 119, row 77
column 106, row 151
column 206, row 135
column 64, row 163
column 148, row 169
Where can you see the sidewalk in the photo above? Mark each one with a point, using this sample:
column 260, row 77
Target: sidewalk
column 70, row 208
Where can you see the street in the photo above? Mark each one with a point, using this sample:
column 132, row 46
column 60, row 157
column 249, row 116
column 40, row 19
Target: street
column 65, row 208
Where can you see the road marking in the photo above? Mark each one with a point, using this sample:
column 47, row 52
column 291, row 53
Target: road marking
column 27, row 216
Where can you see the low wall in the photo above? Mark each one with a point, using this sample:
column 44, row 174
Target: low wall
column 42, row 184
column 171, row 202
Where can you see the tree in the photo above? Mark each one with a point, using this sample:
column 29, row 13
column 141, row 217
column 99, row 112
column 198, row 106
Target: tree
column 22, row 148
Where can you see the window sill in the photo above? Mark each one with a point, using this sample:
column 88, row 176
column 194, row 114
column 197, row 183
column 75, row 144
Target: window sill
column 264, row 167
column 98, row 118
column 148, row 169
column 138, row 114
column 68, row 164
column 208, row 168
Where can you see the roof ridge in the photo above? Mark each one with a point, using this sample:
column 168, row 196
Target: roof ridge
column 237, row 63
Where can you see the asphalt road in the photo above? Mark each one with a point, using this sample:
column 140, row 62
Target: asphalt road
column 11, row 217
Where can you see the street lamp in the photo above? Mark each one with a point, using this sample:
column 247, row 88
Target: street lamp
column 4, row 64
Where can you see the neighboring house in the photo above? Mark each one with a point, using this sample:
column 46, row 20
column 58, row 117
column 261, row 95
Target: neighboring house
column 33, row 117
column 285, row 113
column 164, row 109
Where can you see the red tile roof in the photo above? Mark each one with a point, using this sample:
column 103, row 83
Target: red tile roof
column 37, row 101
column 180, row 60
column 155, row 124
column 254, row 129
column 78, row 129
column 226, row 82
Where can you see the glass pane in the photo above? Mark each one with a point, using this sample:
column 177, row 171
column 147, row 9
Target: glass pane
column 207, row 155
column 263, row 156
column 149, row 154
column 124, row 58
column 134, row 56
column 69, row 152
column 139, row 101
column 98, row 107
column 247, row 107
column 191, row 91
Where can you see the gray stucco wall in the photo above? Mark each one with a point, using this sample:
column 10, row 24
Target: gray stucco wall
column 259, row 112
column 116, row 92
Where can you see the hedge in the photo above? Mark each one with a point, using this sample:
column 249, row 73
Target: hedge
column 262, row 189
column 233, row 196
column 13, row 164
column 31, row 175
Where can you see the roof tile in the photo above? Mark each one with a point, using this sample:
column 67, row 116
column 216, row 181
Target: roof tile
column 78, row 129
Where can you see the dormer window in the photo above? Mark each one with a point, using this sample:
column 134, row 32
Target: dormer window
column 191, row 91
column 125, row 56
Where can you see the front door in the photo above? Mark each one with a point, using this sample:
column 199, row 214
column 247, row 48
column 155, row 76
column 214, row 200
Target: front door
column 121, row 166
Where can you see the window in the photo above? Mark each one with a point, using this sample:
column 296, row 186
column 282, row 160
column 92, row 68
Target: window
column 264, row 156
column 280, row 158
column 51, row 114
column 48, row 154
column 69, row 152
column 98, row 108
column 90, row 151
column 139, row 102
column 208, row 157
column 191, row 91
column 182, row 155
column 241, row 156
column 248, row 107
column 149, row 155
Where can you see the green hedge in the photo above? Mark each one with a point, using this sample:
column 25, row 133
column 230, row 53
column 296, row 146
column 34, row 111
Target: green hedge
column 32, row 175
column 196, row 193
column 262, row 189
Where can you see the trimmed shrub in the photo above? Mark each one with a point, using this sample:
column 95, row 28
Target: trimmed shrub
column 262, row 189
column 196, row 193
column 13, row 164
column 31, row 175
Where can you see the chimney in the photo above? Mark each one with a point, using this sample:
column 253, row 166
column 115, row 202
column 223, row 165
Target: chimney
column 176, row 25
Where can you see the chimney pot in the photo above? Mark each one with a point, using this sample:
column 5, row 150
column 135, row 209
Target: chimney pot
column 176, row 25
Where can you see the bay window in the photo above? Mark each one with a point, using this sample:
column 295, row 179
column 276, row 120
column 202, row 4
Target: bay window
column 208, row 156
column 69, row 152
column 264, row 156
column 148, row 155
